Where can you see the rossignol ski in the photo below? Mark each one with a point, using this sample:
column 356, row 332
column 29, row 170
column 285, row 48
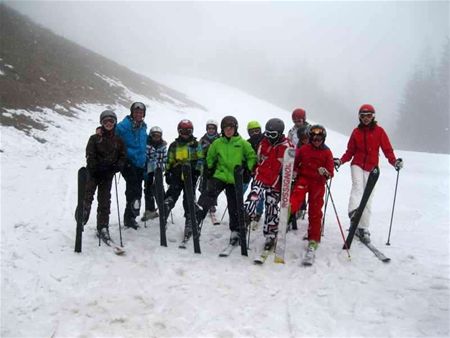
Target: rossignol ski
column 238, row 184
column 189, row 191
column 286, row 180
column 159, row 195
column 356, row 217
column 82, row 179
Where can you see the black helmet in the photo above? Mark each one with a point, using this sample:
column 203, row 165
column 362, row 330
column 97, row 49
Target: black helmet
column 317, row 129
column 108, row 113
column 274, row 129
column 137, row 105
column 229, row 121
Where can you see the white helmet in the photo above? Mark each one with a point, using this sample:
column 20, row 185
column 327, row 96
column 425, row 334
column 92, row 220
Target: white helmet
column 156, row 129
column 212, row 122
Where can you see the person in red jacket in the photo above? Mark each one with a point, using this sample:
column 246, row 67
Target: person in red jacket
column 267, row 179
column 362, row 149
column 313, row 166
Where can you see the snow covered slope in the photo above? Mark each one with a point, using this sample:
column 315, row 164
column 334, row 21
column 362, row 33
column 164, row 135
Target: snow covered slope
column 47, row 290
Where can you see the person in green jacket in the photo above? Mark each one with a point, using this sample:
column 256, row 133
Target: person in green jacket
column 224, row 154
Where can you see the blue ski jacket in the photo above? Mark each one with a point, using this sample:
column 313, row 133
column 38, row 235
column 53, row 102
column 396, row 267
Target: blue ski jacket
column 135, row 139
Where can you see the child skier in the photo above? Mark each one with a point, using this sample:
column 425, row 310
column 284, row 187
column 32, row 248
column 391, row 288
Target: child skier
column 363, row 148
column 227, row 152
column 156, row 158
column 267, row 179
column 313, row 166
column 298, row 134
column 256, row 136
column 105, row 155
column 210, row 136
column 184, row 149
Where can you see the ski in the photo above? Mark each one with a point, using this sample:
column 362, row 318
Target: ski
column 309, row 257
column 238, row 184
column 227, row 250
column 190, row 196
column 356, row 217
column 261, row 258
column 159, row 196
column 286, row 180
column 184, row 242
column 377, row 252
column 116, row 249
column 82, row 179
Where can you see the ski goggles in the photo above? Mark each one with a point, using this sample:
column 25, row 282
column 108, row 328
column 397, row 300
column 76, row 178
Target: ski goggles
column 185, row 132
column 272, row 134
column 316, row 131
column 211, row 127
column 254, row 131
column 107, row 120
column 138, row 105
column 365, row 114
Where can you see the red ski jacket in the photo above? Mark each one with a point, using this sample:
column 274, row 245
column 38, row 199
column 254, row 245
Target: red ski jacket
column 308, row 159
column 364, row 146
column 270, row 161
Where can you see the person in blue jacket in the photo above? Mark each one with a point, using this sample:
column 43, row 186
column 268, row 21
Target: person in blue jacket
column 133, row 131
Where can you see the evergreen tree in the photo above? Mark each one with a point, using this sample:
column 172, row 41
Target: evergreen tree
column 424, row 113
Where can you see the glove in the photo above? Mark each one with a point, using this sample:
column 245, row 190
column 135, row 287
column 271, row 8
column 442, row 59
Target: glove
column 398, row 164
column 169, row 178
column 324, row 172
column 246, row 176
column 337, row 163
column 208, row 172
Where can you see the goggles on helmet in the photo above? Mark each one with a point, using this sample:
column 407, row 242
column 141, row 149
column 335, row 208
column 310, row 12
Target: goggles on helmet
column 272, row 134
column 138, row 105
column 316, row 131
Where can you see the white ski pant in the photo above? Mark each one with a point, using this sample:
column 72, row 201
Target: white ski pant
column 359, row 181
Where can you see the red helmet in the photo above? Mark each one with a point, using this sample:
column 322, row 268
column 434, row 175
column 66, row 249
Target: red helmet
column 298, row 114
column 367, row 108
column 185, row 127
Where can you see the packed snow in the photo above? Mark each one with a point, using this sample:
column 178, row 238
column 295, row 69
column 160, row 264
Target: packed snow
column 48, row 290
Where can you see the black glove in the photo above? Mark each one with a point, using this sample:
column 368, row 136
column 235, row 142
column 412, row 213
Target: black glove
column 208, row 172
column 398, row 164
column 246, row 176
column 337, row 163
column 169, row 177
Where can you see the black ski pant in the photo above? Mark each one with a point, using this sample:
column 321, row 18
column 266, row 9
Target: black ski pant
column 149, row 192
column 173, row 193
column 133, row 192
column 208, row 198
column 103, row 186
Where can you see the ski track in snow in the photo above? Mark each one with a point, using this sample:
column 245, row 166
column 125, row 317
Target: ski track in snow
column 152, row 291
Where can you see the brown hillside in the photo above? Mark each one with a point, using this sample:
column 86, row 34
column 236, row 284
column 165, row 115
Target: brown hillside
column 41, row 69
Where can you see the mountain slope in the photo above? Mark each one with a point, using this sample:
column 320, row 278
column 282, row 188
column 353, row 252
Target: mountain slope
column 152, row 291
column 39, row 69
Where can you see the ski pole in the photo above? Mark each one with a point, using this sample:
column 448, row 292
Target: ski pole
column 223, row 215
column 393, row 207
column 337, row 217
column 118, row 211
column 325, row 209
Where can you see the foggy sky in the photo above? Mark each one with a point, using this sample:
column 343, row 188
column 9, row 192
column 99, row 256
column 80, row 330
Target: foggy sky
column 364, row 52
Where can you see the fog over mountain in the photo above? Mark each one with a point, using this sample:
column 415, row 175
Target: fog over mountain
column 328, row 57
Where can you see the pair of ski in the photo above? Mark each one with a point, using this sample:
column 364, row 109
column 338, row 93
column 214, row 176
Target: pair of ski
column 190, row 197
column 286, row 180
column 356, row 217
column 261, row 258
column 82, row 180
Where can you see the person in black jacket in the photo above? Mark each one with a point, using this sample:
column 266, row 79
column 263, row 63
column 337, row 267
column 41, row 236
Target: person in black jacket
column 105, row 155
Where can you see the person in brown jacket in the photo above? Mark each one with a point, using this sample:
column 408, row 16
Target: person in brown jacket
column 105, row 155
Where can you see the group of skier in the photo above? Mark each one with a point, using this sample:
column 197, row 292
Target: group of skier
column 125, row 147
